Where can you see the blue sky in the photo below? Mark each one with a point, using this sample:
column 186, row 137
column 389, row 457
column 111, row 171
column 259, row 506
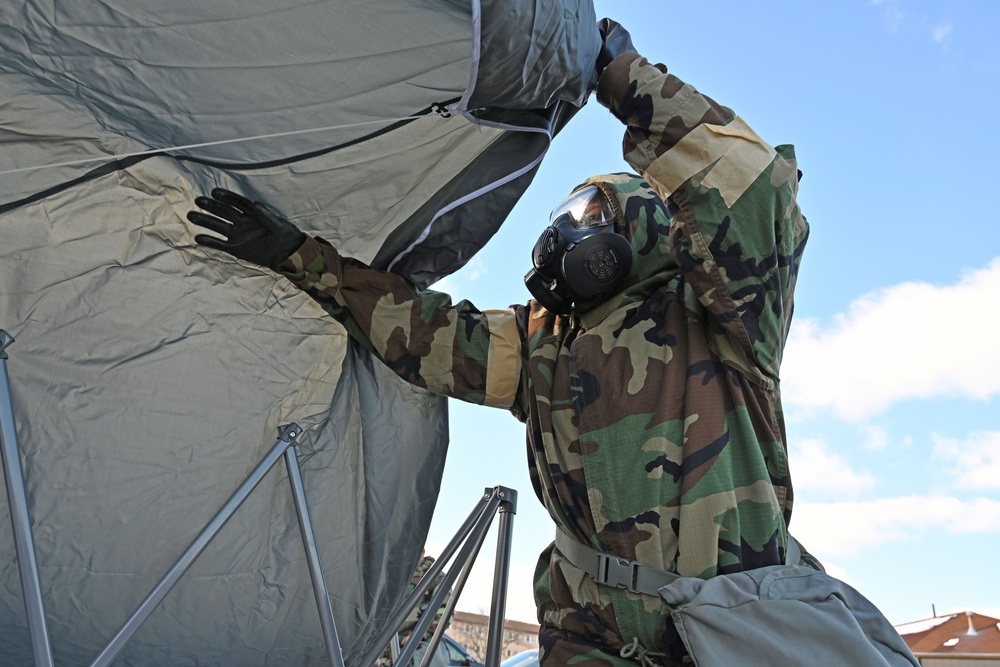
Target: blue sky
column 892, row 372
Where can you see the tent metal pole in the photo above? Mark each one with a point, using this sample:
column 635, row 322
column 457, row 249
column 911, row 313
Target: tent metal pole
column 286, row 437
column 485, row 506
column 459, row 586
column 329, row 626
column 24, row 544
column 501, row 572
column 472, row 540
column 476, row 527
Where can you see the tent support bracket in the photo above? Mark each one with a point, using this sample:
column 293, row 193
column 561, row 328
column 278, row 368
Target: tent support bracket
column 285, row 446
column 468, row 541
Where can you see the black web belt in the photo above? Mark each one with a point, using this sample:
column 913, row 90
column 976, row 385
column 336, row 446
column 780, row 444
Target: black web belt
column 610, row 570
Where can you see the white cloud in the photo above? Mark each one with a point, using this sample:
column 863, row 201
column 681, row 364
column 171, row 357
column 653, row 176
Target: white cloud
column 910, row 341
column 900, row 19
column 975, row 461
column 816, row 470
column 940, row 33
column 471, row 272
column 848, row 529
column 839, row 572
column 892, row 11
column 875, row 438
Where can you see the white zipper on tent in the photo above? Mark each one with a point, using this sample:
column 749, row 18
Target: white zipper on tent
column 469, row 197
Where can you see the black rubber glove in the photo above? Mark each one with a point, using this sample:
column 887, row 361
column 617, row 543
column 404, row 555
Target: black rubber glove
column 615, row 41
column 252, row 231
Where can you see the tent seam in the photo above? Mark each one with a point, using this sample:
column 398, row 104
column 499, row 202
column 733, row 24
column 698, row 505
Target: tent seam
column 477, row 52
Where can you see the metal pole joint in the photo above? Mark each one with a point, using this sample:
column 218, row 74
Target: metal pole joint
column 508, row 498
column 289, row 432
column 5, row 340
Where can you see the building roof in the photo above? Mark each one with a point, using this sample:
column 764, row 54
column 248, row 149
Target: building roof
column 965, row 632
column 481, row 619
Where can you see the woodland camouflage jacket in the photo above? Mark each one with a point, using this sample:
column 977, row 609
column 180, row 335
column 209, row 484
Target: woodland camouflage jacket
column 654, row 421
column 405, row 630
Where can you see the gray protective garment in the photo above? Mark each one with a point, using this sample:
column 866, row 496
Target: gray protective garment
column 149, row 375
column 782, row 615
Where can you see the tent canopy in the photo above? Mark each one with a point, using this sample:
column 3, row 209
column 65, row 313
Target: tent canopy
column 150, row 375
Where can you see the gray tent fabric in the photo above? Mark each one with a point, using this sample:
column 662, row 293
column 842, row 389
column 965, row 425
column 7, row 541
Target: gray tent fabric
column 149, row 375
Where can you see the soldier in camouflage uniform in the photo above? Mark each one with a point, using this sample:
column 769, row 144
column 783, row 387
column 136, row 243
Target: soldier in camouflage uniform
column 654, row 420
column 411, row 621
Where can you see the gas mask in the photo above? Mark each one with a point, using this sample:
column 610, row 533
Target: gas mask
column 579, row 255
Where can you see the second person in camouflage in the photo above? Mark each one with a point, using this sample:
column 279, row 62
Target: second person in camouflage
column 406, row 630
column 653, row 413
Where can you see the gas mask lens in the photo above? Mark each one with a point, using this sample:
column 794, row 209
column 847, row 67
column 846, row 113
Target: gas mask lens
column 584, row 209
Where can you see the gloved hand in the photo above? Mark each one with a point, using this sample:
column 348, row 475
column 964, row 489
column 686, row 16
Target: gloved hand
column 615, row 41
column 252, row 231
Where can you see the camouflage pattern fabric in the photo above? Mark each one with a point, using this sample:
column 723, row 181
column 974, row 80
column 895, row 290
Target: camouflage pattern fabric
column 411, row 621
column 654, row 421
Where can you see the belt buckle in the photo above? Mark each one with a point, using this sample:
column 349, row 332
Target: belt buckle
column 616, row 572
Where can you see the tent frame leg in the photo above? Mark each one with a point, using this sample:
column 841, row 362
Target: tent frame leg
column 329, row 626
column 470, row 537
column 467, row 542
column 24, row 543
column 284, row 447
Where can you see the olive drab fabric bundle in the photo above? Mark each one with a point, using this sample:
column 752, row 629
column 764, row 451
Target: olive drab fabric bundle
column 150, row 375
column 782, row 615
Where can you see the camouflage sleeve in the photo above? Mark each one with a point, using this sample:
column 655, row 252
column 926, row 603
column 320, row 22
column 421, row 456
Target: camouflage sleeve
column 454, row 350
column 737, row 231
column 425, row 602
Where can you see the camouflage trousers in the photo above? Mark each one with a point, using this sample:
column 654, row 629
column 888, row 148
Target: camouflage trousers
column 585, row 624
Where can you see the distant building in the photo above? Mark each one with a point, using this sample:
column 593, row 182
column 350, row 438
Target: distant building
column 471, row 630
column 956, row 640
